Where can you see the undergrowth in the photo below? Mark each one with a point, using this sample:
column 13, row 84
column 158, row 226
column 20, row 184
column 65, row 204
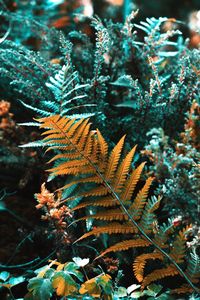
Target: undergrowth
column 78, row 91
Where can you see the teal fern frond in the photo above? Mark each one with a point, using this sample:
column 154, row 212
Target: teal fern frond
column 148, row 217
column 155, row 40
column 66, row 90
column 193, row 269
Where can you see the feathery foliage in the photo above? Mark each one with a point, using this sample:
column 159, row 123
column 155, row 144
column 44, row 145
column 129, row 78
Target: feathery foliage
column 84, row 154
column 143, row 77
column 110, row 69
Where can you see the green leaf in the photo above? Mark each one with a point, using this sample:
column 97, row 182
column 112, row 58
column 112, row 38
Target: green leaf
column 124, row 81
column 155, row 288
column 2, row 207
column 136, row 295
column 4, row 275
column 121, row 292
column 38, row 143
column 37, row 271
column 49, row 273
column 105, row 281
column 164, row 296
column 72, row 268
column 40, row 288
column 91, row 288
column 132, row 288
column 81, row 262
column 127, row 104
column 16, row 280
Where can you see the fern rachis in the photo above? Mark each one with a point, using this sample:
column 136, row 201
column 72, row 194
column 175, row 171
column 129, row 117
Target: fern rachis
column 87, row 158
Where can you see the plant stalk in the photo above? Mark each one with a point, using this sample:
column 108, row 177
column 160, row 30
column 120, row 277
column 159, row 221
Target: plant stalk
column 126, row 9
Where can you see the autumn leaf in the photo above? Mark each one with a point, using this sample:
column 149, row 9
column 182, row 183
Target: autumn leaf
column 98, row 286
column 105, row 281
column 91, row 288
column 64, row 284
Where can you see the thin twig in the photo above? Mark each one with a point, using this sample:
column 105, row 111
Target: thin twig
column 18, row 246
column 46, row 258
column 5, row 267
column 126, row 9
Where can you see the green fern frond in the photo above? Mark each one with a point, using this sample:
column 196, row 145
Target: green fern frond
column 162, row 234
column 152, row 28
column 148, row 217
column 193, row 268
column 64, row 87
column 179, row 246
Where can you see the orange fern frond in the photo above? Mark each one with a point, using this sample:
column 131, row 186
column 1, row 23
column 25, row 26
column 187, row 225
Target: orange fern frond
column 125, row 245
column 141, row 261
column 183, row 289
column 159, row 274
column 123, row 170
column 92, row 179
column 111, row 215
column 113, row 228
column 75, row 170
column 131, row 183
column 85, row 154
column 140, row 200
column 97, row 191
column 108, row 201
column 103, row 145
column 106, row 181
column 114, row 160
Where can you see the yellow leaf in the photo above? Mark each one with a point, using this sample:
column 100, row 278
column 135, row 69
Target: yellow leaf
column 106, row 278
column 64, row 286
column 90, row 287
column 60, row 267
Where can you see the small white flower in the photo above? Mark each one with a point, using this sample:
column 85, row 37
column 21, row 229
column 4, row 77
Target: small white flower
column 132, row 288
column 81, row 262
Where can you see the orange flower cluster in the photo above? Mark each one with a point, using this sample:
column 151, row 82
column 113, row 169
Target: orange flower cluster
column 6, row 123
column 115, row 2
column 6, row 120
column 4, row 108
column 44, row 198
column 55, row 212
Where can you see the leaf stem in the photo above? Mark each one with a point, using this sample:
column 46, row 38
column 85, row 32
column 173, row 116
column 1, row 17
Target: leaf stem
column 5, row 267
column 126, row 9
